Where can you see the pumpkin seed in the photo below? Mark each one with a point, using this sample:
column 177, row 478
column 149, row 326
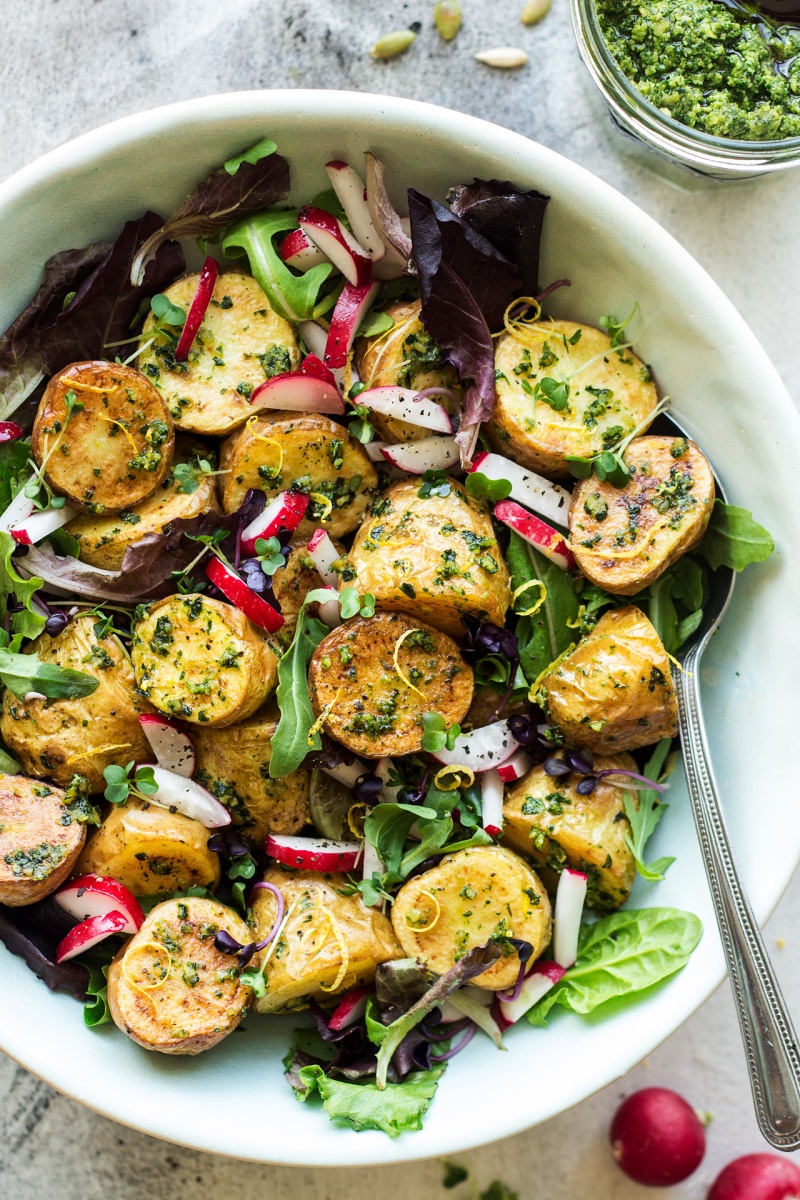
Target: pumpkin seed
column 447, row 18
column 506, row 57
column 392, row 44
column 534, row 11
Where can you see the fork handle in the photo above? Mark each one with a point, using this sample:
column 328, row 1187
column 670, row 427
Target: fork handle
column 769, row 1039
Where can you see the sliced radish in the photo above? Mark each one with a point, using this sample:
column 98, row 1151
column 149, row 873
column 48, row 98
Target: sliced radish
column 19, row 510
column 99, row 895
column 313, row 854
column 297, row 251
column 347, row 774
column 492, row 790
column 429, row 454
column 314, row 337
column 350, row 1009
column 323, row 554
column 348, row 314
column 481, row 749
column 543, row 537
column 284, row 513
column 10, row 431
column 375, row 450
column 530, row 489
column 40, row 525
column 197, row 309
column 314, row 366
column 90, row 933
column 352, row 195
column 570, row 896
column 329, row 610
column 297, row 391
column 515, row 768
column 234, row 588
column 537, row 983
column 172, row 747
column 402, row 403
column 330, row 236
column 187, row 797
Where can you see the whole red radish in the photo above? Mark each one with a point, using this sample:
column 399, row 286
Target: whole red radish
column 657, row 1138
column 757, row 1177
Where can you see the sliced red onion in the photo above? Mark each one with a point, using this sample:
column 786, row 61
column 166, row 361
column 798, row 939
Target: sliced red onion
column 645, row 784
column 465, row 1041
column 227, row 943
column 278, row 894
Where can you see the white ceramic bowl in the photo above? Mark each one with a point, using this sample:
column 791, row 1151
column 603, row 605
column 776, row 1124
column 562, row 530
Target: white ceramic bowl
column 234, row 1099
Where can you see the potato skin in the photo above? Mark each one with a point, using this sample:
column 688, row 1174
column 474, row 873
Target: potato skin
column 240, row 344
column 201, row 1000
column 373, row 712
column 307, row 956
column 153, row 851
column 39, row 840
column 482, row 892
column 104, row 539
column 591, row 422
column 202, row 660
column 114, row 451
column 614, row 691
column 315, row 455
column 54, row 739
column 233, row 763
column 291, row 582
column 548, row 821
column 624, row 538
column 434, row 558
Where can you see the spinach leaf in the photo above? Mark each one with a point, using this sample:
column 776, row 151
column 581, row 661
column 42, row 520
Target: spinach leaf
column 375, row 323
column 645, row 816
column 734, row 539
column 291, row 742
column 623, row 954
column 292, row 296
column 23, row 673
column 548, row 633
column 397, row 1108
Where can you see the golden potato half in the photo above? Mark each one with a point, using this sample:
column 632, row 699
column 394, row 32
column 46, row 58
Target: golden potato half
column 54, row 739
column 153, row 851
column 291, row 582
column 405, row 356
column 434, row 557
column 374, row 678
column 103, row 540
column 477, row 894
column 624, row 538
column 328, row 942
column 39, row 840
column 548, row 821
column 233, row 763
column 610, row 393
column 169, row 988
column 241, row 343
column 283, row 450
column 614, row 691
column 103, row 436
column 202, row 660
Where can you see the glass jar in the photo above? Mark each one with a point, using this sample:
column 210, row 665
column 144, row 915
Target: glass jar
column 702, row 154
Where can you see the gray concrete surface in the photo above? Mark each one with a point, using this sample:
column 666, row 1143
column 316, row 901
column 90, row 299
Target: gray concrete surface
column 69, row 65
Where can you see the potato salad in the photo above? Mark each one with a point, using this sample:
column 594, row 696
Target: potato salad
column 343, row 582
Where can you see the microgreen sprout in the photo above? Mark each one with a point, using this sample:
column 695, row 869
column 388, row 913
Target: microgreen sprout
column 268, row 552
column 360, row 427
column 610, row 464
column 434, row 483
column 170, row 318
column 438, row 734
column 189, row 474
column 120, row 783
column 351, row 603
column 484, row 488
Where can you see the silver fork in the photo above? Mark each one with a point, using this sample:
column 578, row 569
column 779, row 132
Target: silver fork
column 773, row 1060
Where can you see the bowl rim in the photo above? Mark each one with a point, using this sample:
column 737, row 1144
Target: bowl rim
column 480, row 136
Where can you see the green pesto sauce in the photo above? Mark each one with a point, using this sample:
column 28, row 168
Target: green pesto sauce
column 710, row 67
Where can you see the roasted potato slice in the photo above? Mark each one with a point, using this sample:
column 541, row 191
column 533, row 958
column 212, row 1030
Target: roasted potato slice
column 469, row 897
column 202, row 660
column 290, row 584
column 54, row 739
column 374, row 678
column 104, row 539
column 611, row 393
column 103, row 436
column 241, row 343
column 169, row 988
column 614, row 691
column 39, row 840
column 405, row 356
column 624, row 538
column 233, row 763
column 328, row 942
column 549, row 821
column 280, row 450
column 153, row 851
column 434, row 557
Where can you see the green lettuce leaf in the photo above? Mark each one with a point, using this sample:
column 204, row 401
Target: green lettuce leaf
column 291, row 744
column 734, row 539
column 645, row 815
column 95, row 1010
column 26, row 622
column 398, row 1108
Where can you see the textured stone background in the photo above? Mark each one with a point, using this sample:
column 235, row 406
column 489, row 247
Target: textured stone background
column 69, row 65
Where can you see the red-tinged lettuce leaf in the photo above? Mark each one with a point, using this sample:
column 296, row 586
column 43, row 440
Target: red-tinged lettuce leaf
column 245, row 184
column 37, row 948
column 510, row 219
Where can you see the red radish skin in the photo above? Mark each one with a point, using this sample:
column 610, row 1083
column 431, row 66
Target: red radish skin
column 515, row 768
column 10, row 431
column 313, row 854
column 298, row 391
column 347, row 316
column 757, row 1177
column 97, row 896
column 537, row 983
column 234, row 588
column 285, row 512
column 88, row 934
column 534, row 491
column 537, row 533
column 316, row 369
column 351, row 1009
column 298, row 252
column 658, row 1140
column 40, row 525
column 197, row 309
column 18, row 511
column 323, row 554
column 330, row 236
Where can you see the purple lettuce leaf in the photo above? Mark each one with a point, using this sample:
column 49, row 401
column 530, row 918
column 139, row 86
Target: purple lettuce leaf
column 510, row 219
column 33, row 944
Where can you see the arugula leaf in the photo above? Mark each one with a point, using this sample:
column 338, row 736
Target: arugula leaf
column 386, row 828
column 547, row 634
column 644, row 817
column 23, row 673
column 25, row 622
column 734, row 539
column 262, row 149
column 397, row 1108
column 291, row 743
column 292, row 296
column 96, row 1011
column 14, row 469
column 621, row 955
column 375, row 323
